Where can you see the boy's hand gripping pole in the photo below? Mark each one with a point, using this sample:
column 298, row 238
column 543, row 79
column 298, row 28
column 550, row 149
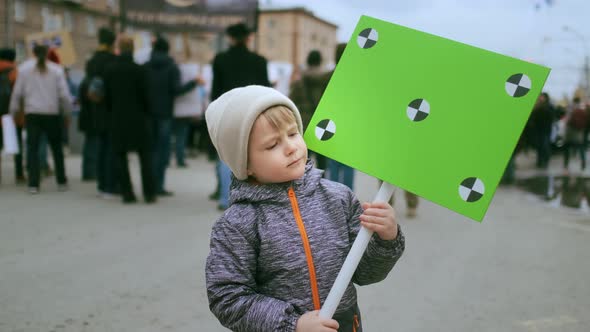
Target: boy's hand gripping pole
column 353, row 259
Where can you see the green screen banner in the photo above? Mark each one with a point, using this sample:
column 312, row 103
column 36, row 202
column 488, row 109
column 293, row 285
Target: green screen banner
column 430, row 115
column 180, row 15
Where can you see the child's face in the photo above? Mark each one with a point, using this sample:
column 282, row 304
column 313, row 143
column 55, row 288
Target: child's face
column 275, row 155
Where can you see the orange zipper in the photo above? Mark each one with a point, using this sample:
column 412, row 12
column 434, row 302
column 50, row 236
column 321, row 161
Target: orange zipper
column 312, row 277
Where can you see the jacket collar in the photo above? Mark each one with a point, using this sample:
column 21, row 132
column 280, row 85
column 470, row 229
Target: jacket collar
column 248, row 192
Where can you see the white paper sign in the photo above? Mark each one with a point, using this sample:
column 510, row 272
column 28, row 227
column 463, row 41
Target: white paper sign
column 191, row 103
column 279, row 74
column 9, row 135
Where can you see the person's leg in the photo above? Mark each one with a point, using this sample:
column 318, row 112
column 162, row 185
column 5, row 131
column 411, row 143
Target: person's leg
column 18, row 158
column 54, row 131
column 89, row 157
column 127, row 194
column 102, row 165
column 107, row 179
column 509, row 172
column 113, row 181
column 165, row 140
column 411, row 199
column 181, row 127
column 224, row 184
column 547, row 152
column 215, row 195
column 161, row 152
column 412, row 204
column 43, row 158
column 566, row 154
column 582, row 150
column 147, row 175
column 33, row 137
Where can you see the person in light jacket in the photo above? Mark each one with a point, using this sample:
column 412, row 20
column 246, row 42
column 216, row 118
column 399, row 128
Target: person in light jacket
column 44, row 91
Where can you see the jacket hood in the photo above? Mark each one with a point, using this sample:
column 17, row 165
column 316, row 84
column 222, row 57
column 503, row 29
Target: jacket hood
column 246, row 192
column 160, row 60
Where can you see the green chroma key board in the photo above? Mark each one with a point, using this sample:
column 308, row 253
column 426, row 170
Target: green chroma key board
column 430, row 115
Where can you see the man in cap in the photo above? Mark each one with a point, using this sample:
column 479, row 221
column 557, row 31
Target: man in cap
column 236, row 67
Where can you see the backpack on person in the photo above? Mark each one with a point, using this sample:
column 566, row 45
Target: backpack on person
column 5, row 91
column 578, row 119
column 95, row 91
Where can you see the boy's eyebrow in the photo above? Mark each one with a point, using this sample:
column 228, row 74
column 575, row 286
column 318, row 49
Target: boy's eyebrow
column 274, row 135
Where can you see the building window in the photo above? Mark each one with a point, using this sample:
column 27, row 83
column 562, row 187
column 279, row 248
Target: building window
column 271, row 23
column 90, row 26
column 178, row 43
column 68, row 21
column 45, row 12
column 20, row 11
column 270, row 42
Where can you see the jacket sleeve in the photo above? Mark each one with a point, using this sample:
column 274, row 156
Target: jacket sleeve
column 232, row 289
column 65, row 97
column 217, row 84
column 179, row 88
column 17, row 94
column 380, row 256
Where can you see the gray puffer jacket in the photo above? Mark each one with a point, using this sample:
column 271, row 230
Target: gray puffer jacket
column 257, row 272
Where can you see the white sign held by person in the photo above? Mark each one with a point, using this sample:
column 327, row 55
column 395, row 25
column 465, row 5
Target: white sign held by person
column 191, row 103
column 9, row 135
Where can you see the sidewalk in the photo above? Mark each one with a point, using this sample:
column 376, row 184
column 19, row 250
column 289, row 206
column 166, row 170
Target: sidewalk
column 71, row 262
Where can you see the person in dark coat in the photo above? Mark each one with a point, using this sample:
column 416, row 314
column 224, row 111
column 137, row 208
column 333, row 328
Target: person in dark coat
column 127, row 101
column 542, row 119
column 97, row 155
column 236, row 67
column 165, row 85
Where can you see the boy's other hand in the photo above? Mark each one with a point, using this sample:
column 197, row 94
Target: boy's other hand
column 311, row 322
column 379, row 217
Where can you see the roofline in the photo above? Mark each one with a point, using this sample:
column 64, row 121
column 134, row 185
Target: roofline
column 302, row 10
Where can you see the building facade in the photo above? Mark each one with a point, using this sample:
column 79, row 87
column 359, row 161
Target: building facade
column 288, row 35
column 82, row 19
column 284, row 35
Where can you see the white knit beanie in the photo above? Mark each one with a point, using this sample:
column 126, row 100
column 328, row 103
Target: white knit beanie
column 231, row 117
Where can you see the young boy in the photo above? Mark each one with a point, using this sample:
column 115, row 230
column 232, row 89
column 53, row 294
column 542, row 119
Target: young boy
column 278, row 248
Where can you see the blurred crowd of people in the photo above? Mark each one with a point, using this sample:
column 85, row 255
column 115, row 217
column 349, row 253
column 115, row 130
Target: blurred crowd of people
column 553, row 129
column 123, row 107
column 127, row 107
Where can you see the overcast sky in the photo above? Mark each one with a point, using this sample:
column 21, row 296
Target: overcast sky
column 526, row 29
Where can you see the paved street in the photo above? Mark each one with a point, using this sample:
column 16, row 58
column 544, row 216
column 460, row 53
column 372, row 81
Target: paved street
column 73, row 262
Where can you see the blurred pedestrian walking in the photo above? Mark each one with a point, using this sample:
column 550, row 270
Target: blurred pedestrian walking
column 575, row 129
column 128, row 105
column 236, row 67
column 542, row 119
column 43, row 90
column 165, row 85
column 8, row 74
column 97, row 153
column 306, row 94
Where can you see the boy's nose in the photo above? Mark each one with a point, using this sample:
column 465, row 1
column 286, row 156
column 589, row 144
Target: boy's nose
column 291, row 147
